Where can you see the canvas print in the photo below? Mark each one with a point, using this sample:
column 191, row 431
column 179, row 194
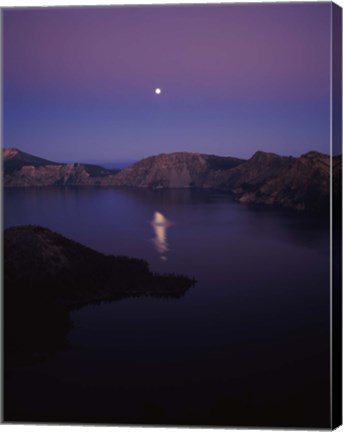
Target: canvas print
column 171, row 180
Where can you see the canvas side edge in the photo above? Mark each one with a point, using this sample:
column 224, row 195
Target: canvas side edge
column 336, row 216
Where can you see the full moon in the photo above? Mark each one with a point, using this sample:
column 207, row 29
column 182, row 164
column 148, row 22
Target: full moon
column 157, row 91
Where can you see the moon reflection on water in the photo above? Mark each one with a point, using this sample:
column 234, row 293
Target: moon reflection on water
column 160, row 225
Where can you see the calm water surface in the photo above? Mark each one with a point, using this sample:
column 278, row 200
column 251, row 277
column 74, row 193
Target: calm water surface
column 247, row 345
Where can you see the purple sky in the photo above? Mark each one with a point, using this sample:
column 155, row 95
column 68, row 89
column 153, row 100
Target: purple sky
column 79, row 82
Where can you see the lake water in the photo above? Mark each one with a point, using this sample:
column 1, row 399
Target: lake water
column 247, row 345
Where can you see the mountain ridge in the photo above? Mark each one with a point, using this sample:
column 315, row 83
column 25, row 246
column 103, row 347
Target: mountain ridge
column 301, row 183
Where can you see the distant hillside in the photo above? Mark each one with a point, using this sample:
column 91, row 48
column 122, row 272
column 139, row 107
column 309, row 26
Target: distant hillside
column 15, row 159
column 301, row 183
column 22, row 169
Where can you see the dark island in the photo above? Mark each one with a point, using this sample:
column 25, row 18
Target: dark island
column 46, row 274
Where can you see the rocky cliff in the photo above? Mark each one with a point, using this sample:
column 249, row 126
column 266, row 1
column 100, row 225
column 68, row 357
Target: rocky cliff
column 301, row 183
column 174, row 170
